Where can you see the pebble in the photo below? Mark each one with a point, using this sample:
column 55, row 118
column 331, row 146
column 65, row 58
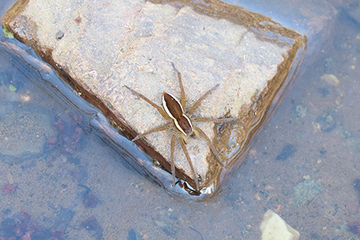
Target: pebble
column 273, row 227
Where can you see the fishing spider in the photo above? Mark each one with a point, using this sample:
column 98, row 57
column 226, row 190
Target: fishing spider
column 181, row 124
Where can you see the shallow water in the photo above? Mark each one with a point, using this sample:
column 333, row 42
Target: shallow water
column 302, row 164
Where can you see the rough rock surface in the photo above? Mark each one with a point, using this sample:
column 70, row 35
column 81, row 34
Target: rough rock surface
column 104, row 46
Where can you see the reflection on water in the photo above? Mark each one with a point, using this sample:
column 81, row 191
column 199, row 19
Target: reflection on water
column 59, row 181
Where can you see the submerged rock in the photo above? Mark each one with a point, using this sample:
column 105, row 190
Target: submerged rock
column 306, row 191
column 273, row 227
column 23, row 132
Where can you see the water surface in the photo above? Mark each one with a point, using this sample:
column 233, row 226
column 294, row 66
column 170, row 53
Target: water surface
column 303, row 164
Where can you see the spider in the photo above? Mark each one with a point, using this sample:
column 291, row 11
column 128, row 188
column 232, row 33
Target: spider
column 180, row 122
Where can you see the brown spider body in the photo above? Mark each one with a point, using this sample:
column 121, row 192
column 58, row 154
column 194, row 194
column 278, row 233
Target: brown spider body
column 174, row 111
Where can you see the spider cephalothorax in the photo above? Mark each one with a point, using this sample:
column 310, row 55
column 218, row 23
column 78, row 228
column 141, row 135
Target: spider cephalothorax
column 181, row 123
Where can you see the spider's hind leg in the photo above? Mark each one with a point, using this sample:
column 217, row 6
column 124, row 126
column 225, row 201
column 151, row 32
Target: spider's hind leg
column 182, row 97
column 160, row 110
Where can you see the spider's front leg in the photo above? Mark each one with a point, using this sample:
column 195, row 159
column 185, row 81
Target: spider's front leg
column 182, row 144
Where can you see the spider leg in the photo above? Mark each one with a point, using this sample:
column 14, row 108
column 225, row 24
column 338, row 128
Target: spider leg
column 186, row 141
column 183, row 98
column 197, row 103
column 217, row 120
column 182, row 144
column 160, row 110
column 212, row 148
column 157, row 129
column 172, row 150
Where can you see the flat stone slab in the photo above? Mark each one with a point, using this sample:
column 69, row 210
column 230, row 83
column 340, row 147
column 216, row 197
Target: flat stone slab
column 101, row 47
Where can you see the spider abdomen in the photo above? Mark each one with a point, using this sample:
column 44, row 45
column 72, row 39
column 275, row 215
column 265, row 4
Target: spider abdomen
column 174, row 109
